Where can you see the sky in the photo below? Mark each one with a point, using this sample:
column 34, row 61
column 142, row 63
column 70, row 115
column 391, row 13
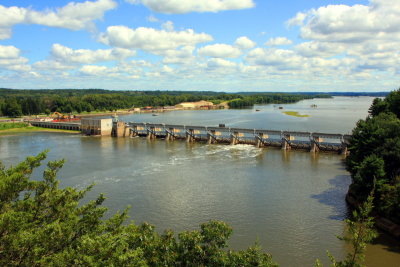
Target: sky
column 211, row 45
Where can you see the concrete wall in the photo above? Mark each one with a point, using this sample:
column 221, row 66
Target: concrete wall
column 95, row 126
column 120, row 129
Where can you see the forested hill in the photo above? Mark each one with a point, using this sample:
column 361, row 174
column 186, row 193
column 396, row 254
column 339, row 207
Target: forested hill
column 15, row 102
column 374, row 160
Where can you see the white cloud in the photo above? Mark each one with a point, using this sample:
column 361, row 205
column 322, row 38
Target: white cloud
column 150, row 39
column 366, row 35
column 9, row 62
column 278, row 41
column 167, row 69
column 10, row 59
column 220, row 51
column 103, row 71
column 152, row 18
column 281, row 59
column 140, row 63
column 353, row 24
column 8, row 51
column 180, row 56
column 168, row 26
column 319, row 49
column 73, row 16
column 186, row 6
column 9, row 17
column 64, row 58
column 220, row 63
column 66, row 54
column 52, row 65
column 16, row 67
column 297, row 20
column 244, row 42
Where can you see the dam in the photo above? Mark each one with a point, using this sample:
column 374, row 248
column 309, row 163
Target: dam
column 287, row 140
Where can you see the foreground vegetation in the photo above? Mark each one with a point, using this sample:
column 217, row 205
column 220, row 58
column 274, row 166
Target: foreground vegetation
column 374, row 161
column 41, row 224
column 44, row 225
column 16, row 103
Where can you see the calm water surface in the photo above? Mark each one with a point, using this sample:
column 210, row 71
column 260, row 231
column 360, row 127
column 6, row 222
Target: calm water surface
column 292, row 203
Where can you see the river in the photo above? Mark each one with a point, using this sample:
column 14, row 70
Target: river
column 290, row 202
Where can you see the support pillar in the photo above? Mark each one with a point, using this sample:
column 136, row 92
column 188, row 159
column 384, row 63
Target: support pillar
column 211, row 137
column 234, row 138
column 126, row 131
column 190, row 135
column 134, row 131
column 150, row 134
column 286, row 142
column 259, row 138
column 170, row 136
column 314, row 143
column 119, row 129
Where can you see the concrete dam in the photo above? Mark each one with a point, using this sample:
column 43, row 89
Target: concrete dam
column 311, row 141
column 287, row 140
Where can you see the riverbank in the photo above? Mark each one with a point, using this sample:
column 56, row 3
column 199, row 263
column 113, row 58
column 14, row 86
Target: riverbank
column 29, row 129
column 381, row 223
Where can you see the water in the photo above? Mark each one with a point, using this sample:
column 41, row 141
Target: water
column 292, row 203
column 338, row 115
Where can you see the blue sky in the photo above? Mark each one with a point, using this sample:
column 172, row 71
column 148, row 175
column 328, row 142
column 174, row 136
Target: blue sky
column 217, row 45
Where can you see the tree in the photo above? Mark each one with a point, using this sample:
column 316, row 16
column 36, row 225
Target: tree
column 359, row 232
column 43, row 225
column 375, row 155
column 12, row 108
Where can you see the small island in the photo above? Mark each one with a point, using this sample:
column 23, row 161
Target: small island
column 295, row 114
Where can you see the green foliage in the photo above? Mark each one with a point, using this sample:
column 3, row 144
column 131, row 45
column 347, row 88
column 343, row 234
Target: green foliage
column 12, row 108
column 11, row 125
column 359, row 232
column 389, row 104
column 378, row 106
column 44, row 225
column 244, row 101
column 375, row 155
column 29, row 102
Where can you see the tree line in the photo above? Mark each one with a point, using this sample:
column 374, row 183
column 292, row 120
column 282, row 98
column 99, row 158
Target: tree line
column 374, row 160
column 244, row 101
column 15, row 103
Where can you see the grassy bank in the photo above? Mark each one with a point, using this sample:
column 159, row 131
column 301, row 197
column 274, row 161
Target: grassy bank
column 9, row 130
column 11, row 125
column 295, row 114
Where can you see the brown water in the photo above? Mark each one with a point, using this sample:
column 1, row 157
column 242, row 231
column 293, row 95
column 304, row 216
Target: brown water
column 292, row 203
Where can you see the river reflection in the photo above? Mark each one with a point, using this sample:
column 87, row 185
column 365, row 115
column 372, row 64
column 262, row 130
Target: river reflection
column 292, row 202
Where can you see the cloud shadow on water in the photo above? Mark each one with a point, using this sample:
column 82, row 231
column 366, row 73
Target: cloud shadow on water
column 335, row 197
